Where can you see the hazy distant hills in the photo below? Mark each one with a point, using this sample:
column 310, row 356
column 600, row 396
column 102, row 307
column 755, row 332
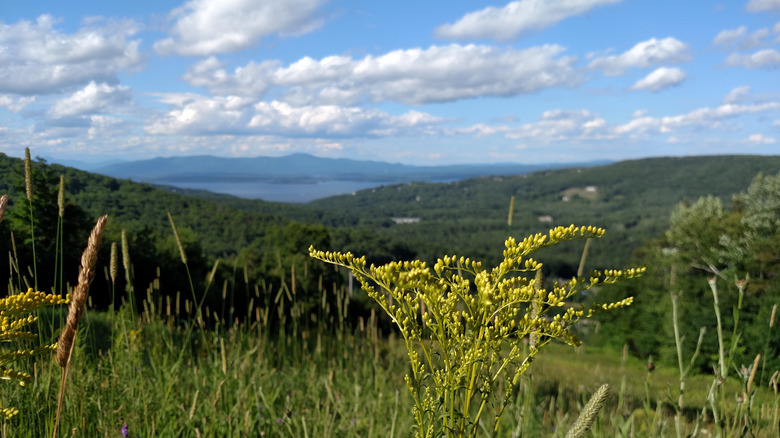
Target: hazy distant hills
column 303, row 168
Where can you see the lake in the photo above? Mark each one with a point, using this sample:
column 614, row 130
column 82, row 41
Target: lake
column 281, row 192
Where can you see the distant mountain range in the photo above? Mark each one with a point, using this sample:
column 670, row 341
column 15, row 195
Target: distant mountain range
column 303, row 168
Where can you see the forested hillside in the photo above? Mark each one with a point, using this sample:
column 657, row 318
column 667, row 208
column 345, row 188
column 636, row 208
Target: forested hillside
column 262, row 244
column 633, row 200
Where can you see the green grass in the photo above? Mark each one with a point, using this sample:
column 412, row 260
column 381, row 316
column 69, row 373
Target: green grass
column 321, row 382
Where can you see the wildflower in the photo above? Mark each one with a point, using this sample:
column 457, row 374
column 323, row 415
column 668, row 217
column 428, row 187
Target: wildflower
column 125, row 430
column 482, row 316
column 17, row 313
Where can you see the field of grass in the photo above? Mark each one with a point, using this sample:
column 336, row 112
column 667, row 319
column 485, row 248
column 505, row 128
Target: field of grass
column 313, row 381
column 166, row 373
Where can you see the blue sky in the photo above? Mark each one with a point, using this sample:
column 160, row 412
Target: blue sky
column 433, row 82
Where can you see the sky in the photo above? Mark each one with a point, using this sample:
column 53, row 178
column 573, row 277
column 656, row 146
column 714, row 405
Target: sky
column 415, row 82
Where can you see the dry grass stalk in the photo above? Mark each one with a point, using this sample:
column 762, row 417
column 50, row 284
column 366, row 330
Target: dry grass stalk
column 3, row 203
column 80, row 292
column 28, row 189
column 113, row 265
column 61, row 196
column 125, row 254
column 76, row 309
column 178, row 240
column 511, row 211
column 752, row 375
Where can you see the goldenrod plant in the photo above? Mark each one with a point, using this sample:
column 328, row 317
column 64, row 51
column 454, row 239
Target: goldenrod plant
column 17, row 313
column 471, row 333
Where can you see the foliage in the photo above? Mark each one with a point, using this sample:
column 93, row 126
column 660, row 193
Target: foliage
column 632, row 199
column 719, row 264
column 476, row 331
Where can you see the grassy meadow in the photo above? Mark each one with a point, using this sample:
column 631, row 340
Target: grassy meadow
column 171, row 365
column 163, row 375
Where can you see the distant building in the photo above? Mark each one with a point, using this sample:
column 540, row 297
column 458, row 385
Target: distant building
column 545, row 219
column 405, row 220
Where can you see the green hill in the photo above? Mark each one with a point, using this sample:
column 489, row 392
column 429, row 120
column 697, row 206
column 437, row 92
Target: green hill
column 631, row 199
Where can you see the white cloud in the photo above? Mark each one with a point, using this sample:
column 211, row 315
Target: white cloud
column 729, row 37
column 412, row 76
column 198, row 115
column 35, row 58
column 15, row 103
column 207, row 27
column 659, row 79
column 739, row 39
column 701, row 118
column 578, row 126
column 322, row 145
column 761, row 139
column 479, row 130
column 755, row 39
column 582, row 125
column 776, row 27
column 252, row 79
column 516, row 18
column 767, row 58
column 644, row 54
column 553, row 125
column 91, row 99
column 737, row 94
column 762, row 5
column 102, row 126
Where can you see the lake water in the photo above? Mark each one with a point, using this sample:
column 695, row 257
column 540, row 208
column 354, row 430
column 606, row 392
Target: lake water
column 281, row 192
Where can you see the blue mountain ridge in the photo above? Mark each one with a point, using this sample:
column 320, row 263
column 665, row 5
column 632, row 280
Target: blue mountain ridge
column 303, row 168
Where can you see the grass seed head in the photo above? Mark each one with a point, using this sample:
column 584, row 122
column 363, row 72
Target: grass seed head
column 80, row 292
column 61, row 196
column 113, row 265
column 3, row 203
column 28, row 188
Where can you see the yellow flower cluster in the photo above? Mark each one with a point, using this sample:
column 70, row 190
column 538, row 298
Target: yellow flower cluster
column 8, row 413
column 463, row 334
column 26, row 302
column 15, row 315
